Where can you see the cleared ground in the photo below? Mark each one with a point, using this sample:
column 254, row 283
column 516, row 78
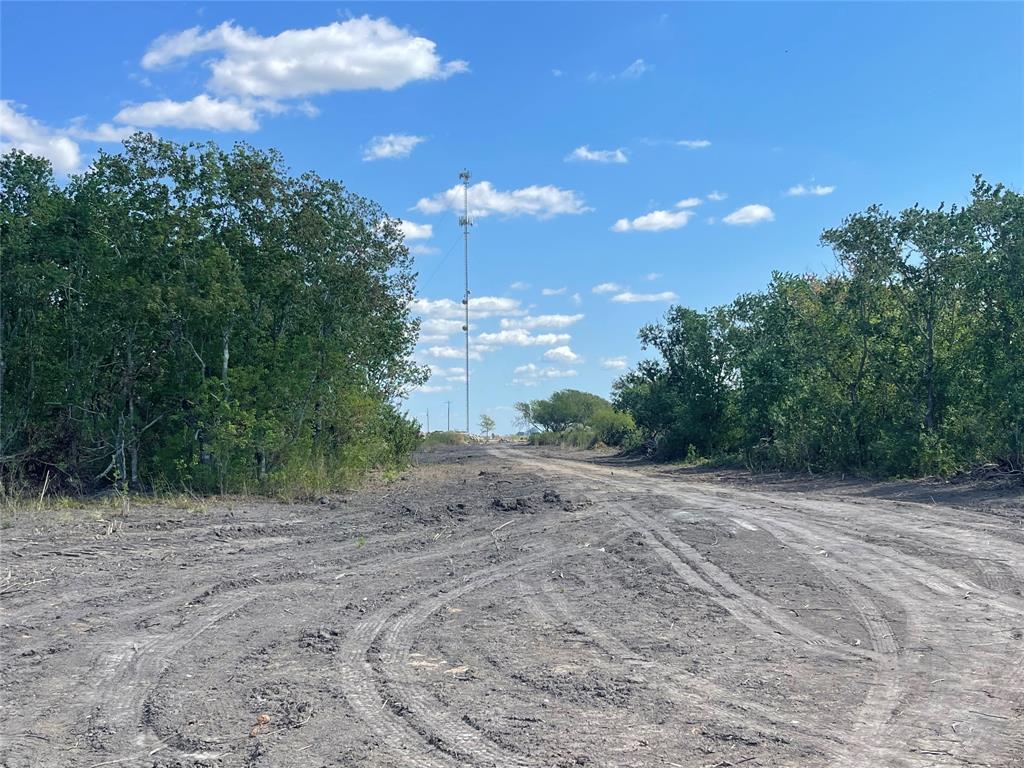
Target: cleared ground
column 506, row 607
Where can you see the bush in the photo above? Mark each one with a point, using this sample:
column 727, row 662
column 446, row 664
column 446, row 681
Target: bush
column 612, row 427
column 436, row 439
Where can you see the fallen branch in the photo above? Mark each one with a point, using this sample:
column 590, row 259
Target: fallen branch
column 494, row 536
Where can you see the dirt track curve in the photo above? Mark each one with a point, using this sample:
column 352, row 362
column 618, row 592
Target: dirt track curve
column 505, row 607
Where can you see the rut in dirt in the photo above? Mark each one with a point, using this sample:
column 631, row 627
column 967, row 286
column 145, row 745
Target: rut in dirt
column 504, row 607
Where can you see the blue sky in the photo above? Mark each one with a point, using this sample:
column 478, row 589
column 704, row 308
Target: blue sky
column 601, row 136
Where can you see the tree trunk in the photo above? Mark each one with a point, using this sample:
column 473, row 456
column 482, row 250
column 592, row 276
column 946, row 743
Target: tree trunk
column 227, row 354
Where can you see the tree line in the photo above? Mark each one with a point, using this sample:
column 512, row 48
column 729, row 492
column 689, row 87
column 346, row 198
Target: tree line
column 192, row 316
column 908, row 358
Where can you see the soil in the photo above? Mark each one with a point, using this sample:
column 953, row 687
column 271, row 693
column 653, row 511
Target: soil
column 500, row 606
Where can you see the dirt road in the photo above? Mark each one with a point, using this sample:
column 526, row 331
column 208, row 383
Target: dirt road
column 504, row 607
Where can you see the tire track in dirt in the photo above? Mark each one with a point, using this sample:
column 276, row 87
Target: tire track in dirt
column 759, row 615
column 678, row 684
column 906, row 705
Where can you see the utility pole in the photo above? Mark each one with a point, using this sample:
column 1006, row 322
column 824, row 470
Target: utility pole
column 428, row 421
column 465, row 223
column 449, row 404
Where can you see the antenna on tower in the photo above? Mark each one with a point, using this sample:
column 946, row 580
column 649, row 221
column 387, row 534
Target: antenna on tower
column 465, row 223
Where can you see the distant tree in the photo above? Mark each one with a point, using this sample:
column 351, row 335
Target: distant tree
column 564, row 409
column 487, row 424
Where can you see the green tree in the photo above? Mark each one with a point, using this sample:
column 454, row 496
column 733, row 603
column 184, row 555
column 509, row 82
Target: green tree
column 487, row 424
column 186, row 314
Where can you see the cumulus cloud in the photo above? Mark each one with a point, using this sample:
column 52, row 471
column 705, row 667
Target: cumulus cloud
column 576, row 299
column 19, row 131
column 693, row 143
column 613, row 363
column 563, row 354
column 413, row 231
column 628, row 297
column 439, row 328
column 607, row 288
column 540, row 321
column 357, row 54
column 432, row 388
column 202, row 112
column 530, row 374
column 452, row 353
column 104, row 133
column 653, row 276
column 519, row 285
column 716, row 195
column 520, row 337
column 655, row 221
column 479, row 307
column 391, row 147
column 689, row 202
column 552, row 291
column 800, row 190
column 750, row 214
column 586, row 154
column 542, row 202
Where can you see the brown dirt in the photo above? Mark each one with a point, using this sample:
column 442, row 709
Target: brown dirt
column 515, row 607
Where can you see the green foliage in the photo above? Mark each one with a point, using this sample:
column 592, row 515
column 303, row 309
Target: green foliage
column 435, row 439
column 577, row 419
column 908, row 360
column 185, row 316
column 487, row 424
column 612, row 427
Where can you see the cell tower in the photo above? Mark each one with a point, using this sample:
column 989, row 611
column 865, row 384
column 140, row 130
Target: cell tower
column 465, row 223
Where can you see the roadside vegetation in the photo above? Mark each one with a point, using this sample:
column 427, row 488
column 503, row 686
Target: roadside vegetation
column 908, row 359
column 184, row 317
column 576, row 419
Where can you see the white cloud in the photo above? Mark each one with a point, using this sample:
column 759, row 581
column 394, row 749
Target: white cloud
column 614, row 363
column 653, row 276
column 519, row 285
column 552, row 291
column 655, row 221
column 19, row 131
column 632, row 298
column 520, row 337
column 484, row 200
column 391, row 147
column 440, row 326
column 607, row 288
column 634, row 70
column 556, row 73
column 431, row 388
column 540, row 321
column 479, row 307
column 356, row 54
column 202, row 112
column 413, row 231
column 452, row 353
column 424, row 250
column 586, row 154
column 577, row 299
column 530, row 374
column 563, row 354
column 693, row 143
column 716, row 195
column 104, row 133
column 800, row 190
column 750, row 214
column 689, row 202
